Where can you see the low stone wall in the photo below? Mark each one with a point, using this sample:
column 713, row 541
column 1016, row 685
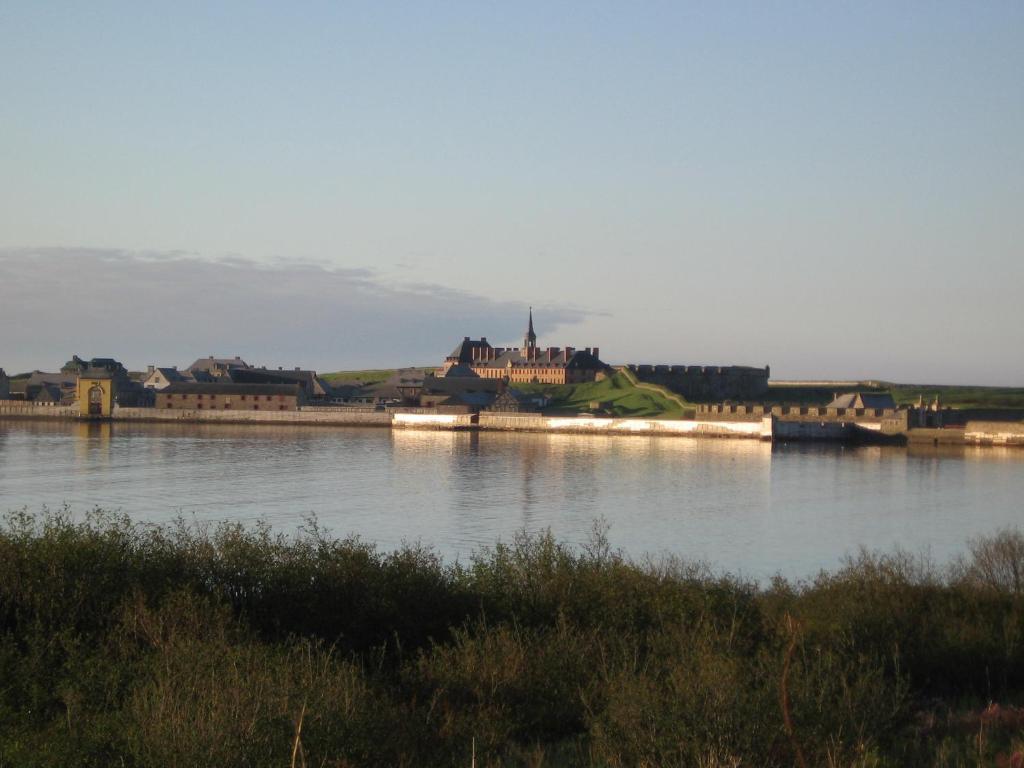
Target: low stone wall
column 582, row 425
column 434, row 420
column 935, row 436
column 994, row 432
column 335, row 417
column 22, row 409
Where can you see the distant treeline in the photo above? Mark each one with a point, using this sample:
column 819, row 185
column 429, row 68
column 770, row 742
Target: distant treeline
column 123, row 644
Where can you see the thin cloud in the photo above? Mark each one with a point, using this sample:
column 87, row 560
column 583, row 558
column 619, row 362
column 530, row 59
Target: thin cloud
column 170, row 307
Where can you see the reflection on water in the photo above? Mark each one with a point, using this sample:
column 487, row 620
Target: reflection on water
column 742, row 505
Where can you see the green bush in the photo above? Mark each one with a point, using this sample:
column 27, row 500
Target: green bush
column 135, row 645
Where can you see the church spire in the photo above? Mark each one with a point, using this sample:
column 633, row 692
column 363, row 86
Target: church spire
column 530, row 340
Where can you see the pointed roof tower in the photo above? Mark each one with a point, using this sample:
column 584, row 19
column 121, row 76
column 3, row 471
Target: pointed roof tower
column 530, row 339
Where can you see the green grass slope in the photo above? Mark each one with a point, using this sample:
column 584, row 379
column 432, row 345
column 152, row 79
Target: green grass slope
column 626, row 399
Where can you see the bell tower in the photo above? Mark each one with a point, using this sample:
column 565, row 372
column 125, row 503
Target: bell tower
column 530, row 339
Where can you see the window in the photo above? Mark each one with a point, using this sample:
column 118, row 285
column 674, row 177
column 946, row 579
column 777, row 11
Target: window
column 213, row 397
column 280, row 407
column 199, row 405
column 243, row 397
column 200, row 397
column 255, row 407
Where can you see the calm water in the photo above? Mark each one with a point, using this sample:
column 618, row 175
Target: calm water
column 743, row 506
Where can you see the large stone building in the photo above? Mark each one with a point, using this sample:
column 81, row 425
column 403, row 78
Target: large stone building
column 526, row 364
column 233, row 397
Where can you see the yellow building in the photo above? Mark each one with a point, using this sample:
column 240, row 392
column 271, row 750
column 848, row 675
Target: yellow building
column 96, row 392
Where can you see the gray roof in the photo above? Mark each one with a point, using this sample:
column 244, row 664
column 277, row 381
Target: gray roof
column 462, row 370
column 60, row 379
column 48, row 393
column 464, row 351
column 171, row 374
column 476, row 399
column 863, row 400
column 455, row 384
column 230, row 389
column 389, row 389
column 314, row 385
column 206, row 363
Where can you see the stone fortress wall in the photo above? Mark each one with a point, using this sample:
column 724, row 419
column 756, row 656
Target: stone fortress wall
column 887, row 420
column 707, row 382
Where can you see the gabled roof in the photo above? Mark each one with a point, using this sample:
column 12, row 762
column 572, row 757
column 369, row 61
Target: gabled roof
column 863, row 400
column 313, row 384
column 170, row 374
column 390, row 388
column 464, row 351
column 441, row 384
column 231, row 389
column 461, row 371
column 48, row 393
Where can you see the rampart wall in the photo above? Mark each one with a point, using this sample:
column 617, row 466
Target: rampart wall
column 994, row 433
column 335, row 417
column 23, row 409
column 888, row 420
column 707, row 382
column 582, row 425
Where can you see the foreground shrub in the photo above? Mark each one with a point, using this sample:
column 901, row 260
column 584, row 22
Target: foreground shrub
column 123, row 644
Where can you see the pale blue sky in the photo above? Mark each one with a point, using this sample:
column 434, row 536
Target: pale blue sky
column 834, row 189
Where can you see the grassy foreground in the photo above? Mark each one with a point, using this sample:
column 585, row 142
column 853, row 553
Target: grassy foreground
column 184, row 646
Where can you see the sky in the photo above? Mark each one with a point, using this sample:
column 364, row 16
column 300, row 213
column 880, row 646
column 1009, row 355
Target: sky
column 836, row 190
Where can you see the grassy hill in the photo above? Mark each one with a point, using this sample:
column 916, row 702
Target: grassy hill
column 625, row 398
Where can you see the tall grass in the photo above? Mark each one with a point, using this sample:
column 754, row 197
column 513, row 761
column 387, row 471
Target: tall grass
column 124, row 644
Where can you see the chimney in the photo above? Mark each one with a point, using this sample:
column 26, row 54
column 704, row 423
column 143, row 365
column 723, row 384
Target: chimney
column 150, row 369
column 483, row 339
column 596, row 353
column 297, row 368
column 280, row 368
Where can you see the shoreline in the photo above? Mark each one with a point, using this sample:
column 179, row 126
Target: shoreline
column 768, row 428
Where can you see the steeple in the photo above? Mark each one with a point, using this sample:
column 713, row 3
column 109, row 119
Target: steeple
column 530, row 340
